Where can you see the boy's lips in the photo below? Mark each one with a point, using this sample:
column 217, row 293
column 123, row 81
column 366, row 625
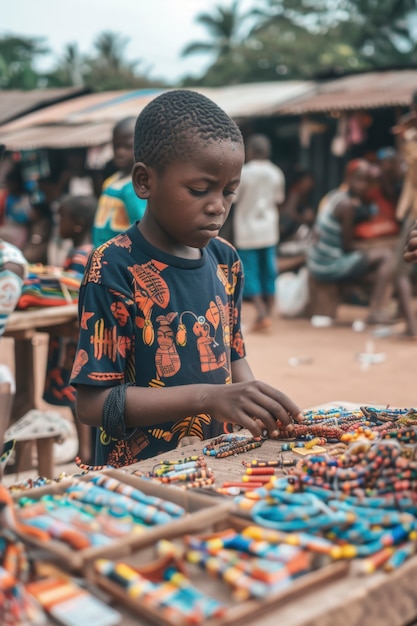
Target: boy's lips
column 211, row 227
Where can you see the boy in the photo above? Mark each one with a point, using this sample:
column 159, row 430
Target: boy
column 118, row 205
column 160, row 337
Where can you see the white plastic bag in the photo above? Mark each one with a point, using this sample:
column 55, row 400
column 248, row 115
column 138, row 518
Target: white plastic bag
column 292, row 293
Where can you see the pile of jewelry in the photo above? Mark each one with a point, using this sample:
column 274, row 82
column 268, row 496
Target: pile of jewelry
column 345, row 425
column 361, row 504
column 164, row 588
column 91, row 513
column 189, row 472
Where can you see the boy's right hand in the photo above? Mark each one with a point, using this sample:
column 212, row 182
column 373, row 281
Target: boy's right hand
column 254, row 405
column 410, row 250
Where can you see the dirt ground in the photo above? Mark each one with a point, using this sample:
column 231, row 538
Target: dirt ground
column 328, row 369
column 332, row 370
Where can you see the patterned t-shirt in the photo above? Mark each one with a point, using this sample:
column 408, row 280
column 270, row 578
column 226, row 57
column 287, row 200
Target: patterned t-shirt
column 157, row 320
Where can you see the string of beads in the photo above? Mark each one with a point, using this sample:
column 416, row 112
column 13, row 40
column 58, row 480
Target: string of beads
column 229, row 445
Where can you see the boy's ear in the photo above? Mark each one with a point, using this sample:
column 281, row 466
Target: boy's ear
column 141, row 178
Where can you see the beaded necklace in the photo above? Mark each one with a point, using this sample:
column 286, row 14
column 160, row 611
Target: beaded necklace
column 228, row 445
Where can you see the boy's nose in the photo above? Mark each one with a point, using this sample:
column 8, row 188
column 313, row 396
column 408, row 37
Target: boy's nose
column 217, row 205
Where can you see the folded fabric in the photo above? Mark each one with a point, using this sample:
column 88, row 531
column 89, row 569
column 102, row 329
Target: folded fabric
column 47, row 286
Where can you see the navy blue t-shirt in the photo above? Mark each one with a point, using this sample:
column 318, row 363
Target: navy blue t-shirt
column 157, row 320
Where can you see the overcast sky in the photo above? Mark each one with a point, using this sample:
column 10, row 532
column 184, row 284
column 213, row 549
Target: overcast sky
column 157, row 29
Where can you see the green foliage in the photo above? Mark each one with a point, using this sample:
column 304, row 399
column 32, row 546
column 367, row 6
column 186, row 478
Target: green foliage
column 288, row 39
column 299, row 39
column 16, row 61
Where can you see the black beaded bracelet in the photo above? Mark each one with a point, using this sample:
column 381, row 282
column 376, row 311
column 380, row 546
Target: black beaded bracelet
column 114, row 412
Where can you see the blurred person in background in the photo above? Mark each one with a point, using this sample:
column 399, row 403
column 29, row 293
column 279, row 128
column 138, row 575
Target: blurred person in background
column 118, row 205
column 256, row 227
column 332, row 257
column 15, row 209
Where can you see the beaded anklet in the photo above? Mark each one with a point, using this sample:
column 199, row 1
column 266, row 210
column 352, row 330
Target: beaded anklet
column 228, row 445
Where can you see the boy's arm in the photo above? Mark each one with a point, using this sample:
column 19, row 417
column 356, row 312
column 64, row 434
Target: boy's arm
column 253, row 405
column 241, row 371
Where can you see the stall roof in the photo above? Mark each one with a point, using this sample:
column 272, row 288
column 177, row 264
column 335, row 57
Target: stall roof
column 371, row 90
column 16, row 102
column 89, row 119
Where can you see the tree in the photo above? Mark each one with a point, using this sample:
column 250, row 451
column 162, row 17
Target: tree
column 378, row 33
column 382, row 31
column 225, row 25
column 70, row 68
column 17, row 55
column 109, row 68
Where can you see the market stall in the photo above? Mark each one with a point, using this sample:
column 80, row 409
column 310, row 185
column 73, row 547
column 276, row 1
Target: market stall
column 328, row 538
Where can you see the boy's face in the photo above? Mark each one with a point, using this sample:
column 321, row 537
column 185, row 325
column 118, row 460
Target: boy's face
column 360, row 182
column 123, row 151
column 189, row 202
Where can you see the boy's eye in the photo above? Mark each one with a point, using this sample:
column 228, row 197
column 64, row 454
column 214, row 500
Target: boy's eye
column 229, row 192
column 197, row 192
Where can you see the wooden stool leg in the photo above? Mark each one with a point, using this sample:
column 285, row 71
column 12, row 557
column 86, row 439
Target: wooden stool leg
column 45, row 448
column 23, row 456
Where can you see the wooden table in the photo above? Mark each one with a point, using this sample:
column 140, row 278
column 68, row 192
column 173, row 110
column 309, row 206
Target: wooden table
column 30, row 350
column 381, row 599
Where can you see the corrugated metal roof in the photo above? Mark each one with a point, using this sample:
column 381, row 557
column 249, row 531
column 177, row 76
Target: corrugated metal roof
column 58, row 136
column 371, row 90
column 59, row 113
column 243, row 101
column 92, row 114
column 16, row 102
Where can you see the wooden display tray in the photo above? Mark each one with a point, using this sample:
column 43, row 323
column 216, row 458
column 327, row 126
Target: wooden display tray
column 194, row 504
column 238, row 611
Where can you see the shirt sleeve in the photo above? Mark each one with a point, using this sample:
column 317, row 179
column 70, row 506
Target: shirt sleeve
column 106, row 340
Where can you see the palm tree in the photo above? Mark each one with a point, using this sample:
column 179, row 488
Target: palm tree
column 110, row 69
column 223, row 25
column 110, row 49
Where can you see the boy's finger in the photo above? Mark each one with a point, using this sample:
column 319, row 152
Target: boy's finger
column 290, row 407
column 412, row 242
column 282, row 408
column 252, row 425
column 410, row 257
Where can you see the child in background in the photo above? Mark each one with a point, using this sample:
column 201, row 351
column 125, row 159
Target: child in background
column 118, row 205
column 161, row 354
column 41, row 223
column 15, row 208
column 76, row 215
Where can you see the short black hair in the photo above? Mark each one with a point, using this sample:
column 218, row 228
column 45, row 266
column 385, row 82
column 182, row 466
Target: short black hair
column 81, row 208
column 169, row 124
column 124, row 126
